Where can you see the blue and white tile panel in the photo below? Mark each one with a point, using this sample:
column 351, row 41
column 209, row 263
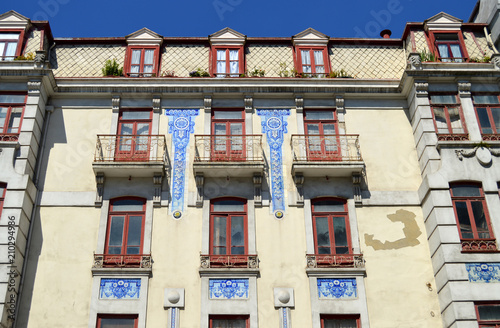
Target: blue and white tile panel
column 228, row 289
column 337, row 288
column 483, row 272
column 120, row 289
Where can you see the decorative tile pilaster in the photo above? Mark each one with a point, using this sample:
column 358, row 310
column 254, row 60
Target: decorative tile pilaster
column 422, row 89
column 274, row 125
column 299, row 182
column 157, row 181
column 200, row 183
column 99, row 179
column 181, row 126
column 464, row 89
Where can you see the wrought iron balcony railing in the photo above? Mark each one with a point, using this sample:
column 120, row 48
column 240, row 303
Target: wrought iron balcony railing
column 335, row 261
column 326, row 148
column 130, row 148
column 142, row 261
column 479, row 245
column 229, row 261
column 228, row 148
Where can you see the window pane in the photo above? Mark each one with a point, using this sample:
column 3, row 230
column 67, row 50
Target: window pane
column 480, row 220
column 443, row 99
column 15, row 120
column 484, row 121
column 318, row 57
column 340, row 233
column 134, row 231
column 319, row 115
column 227, row 323
column 443, row 52
column 340, row 323
column 127, row 205
column 322, row 235
column 136, row 57
column 148, row 56
column 12, row 99
column 3, row 116
column 495, row 112
column 306, row 58
column 9, row 36
column 236, row 142
column 136, row 115
column 219, row 235
column 329, row 206
column 221, row 61
column 117, row 323
column 227, row 114
column 440, row 118
column 456, row 52
column 485, row 99
column 237, row 235
column 10, row 52
column 229, row 206
column 489, row 312
column 464, row 220
column 456, row 123
column 116, row 235
column 466, row 191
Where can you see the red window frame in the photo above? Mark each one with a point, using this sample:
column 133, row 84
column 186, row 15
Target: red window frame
column 445, row 108
column 133, row 147
column 229, row 317
column 229, row 140
column 326, row 60
column 20, row 42
column 488, row 108
column 116, row 316
column 340, row 317
column 126, row 214
column 3, row 185
column 460, row 41
column 229, row 216
column 332, row 248
column 241, row 61
column 487, row 323
column 328, row 143
column 9, row 136
column 468, row 200
column 128, row 61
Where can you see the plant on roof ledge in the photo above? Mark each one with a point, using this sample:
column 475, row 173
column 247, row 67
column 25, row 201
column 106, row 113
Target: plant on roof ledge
column 111, row 68
column 484, row 59
column 200, row 72
column 427, row 56
column 28, row 56
column 339, row 73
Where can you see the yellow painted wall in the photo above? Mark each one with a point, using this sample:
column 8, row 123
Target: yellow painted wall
column 65, row 239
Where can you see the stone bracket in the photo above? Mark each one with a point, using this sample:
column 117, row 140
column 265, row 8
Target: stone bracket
column 422, row 89
column 464, row 89
column 257, row 187
column 207, row 103
column 299, row 182
column 299, row 104
column 248, row 104
column 157, row 181
column 115, row 103
column 156, row 103
column 99, row 179
column 200, row 183
column 356, row 182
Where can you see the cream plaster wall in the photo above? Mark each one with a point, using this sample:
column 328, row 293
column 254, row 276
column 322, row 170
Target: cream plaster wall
column 396, row 289
column 65, row 239
column 387, row 147
column 71, row 141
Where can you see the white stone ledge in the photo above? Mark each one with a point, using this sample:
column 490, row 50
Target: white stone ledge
column 390, row 198
column 68, row 198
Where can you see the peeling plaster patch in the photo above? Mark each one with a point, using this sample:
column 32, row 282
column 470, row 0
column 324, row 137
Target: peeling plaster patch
column 410, row 230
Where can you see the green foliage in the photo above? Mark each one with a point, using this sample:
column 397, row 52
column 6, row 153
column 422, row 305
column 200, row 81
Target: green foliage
column 169, row 73
column 28, row 56
column 339, row 73
column 285, row 72
column 256, row 72
column 111, row 68
column 200, row 72
column 484, row 59
column 427, row 56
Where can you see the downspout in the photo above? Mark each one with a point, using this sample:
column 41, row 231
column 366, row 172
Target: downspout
column 36, row 177
column 490, row 41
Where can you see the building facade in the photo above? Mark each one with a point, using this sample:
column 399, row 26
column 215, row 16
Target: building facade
column 234, row 181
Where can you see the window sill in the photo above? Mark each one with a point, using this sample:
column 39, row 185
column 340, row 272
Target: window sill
column 110, row 262
column 480, row 246
column 229, row 262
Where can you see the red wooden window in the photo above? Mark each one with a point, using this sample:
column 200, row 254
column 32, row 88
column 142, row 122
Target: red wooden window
column 142, row 61
column 331, row 226
column 488, row 315
column 228, row 226
column 228, row 134
column 229, row 321
column 313, row 61
column 134, row 129
column 10, row 44
column 227, row 61
column 447, row 114
column 449, row 46
column 340, row 321
column 321, row 130
column 11, row 113
column 125, row 234
column 471, row 212
column 488, row 113
column 116, row 321
column 3, row 189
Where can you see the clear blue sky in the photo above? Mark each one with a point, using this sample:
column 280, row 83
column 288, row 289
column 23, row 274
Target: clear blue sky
column 255, row 18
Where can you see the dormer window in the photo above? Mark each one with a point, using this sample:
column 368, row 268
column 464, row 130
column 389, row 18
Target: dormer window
column 142, row 62
column 8, row 45
column 143, row 54
column 445, row 38
column 313, row 61
column 311, row 53
column 449, row 47
column 227, row 53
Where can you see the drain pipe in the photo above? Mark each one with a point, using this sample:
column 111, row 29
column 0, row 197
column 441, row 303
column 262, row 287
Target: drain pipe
column 489, row 40
column 36, row 178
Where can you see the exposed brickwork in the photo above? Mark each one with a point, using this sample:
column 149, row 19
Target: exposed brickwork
column 268, row 58
column 184, row 58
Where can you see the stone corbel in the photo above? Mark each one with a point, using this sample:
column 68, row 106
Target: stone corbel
column 40, row 57
column 115, row 103
column 257, row 187
column 200, row 183
column 156, row 103
column 422, row 89
column 99, row 179
column 34, row 87
column 157, row 181
column 356, row 181
column 495, row 59
column 340, row 105
column 248, row 104
column 464, row 89
column 299, row 104
column 414, row 60
column 299, row 182
column 207, row 103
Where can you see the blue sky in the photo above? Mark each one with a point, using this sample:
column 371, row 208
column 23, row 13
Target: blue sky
column 254, row 18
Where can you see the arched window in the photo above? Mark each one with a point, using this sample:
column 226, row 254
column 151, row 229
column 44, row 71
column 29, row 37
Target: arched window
column 331, row 226
column 228, row 226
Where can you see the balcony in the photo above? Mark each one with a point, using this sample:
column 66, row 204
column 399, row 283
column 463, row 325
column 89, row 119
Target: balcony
column 479, row 245
column 229, row 261
column 232, row 155
column 326, row 155
column 138, row 261
column 130, row 155
column 315, row 261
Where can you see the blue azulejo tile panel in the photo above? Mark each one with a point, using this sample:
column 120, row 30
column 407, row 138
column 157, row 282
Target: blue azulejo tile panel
column 274, row 125
column 337, row 288
column 120, row 289
column 181, row 126
column 483, row 272
column 228, row 289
